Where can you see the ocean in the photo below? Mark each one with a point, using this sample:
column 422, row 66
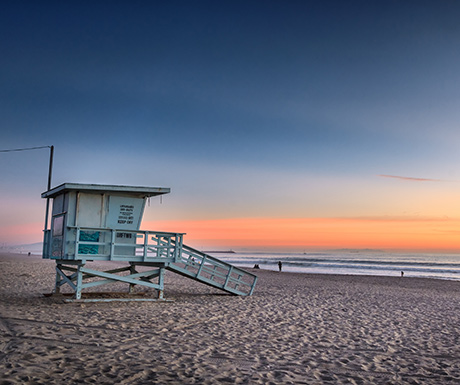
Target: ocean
column 361, row 262
column 356, row 262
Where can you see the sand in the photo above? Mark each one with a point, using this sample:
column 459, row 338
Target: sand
column 295, row 329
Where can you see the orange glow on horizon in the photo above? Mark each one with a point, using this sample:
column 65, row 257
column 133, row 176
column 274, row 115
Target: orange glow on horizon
column 398, row 233
column 23, row 233
column 440, row 234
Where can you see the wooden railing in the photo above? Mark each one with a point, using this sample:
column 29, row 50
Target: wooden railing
column 87, row 243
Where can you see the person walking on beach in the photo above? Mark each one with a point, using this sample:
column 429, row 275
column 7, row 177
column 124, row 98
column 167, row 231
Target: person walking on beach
column 280, row 265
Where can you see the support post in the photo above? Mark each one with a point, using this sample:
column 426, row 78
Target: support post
column 79, row 281
column 132, row 270
column 161, row 278
column 57, row 286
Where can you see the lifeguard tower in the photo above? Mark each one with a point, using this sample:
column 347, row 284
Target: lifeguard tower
column 101, row 223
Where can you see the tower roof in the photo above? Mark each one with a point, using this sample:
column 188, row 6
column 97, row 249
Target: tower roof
column 102, row 189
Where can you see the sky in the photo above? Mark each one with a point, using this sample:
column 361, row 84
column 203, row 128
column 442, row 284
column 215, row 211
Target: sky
column 278, row 125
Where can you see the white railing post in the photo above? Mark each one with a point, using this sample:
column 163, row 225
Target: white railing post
column 169, row 252
column 203, row 258
column 77, row 243
column 146, row 244
column 228, row 276
column 178, row 250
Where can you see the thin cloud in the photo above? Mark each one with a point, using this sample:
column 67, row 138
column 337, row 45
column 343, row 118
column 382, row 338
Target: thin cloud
column 409, row 178
column 408, row 218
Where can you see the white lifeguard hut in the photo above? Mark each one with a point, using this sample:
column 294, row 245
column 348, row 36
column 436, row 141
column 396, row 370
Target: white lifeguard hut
column 92, row 222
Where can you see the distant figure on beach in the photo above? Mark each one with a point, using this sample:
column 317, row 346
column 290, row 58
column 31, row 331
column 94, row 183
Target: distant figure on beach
column 402, row 274
column 256, row 266
column 280, row 265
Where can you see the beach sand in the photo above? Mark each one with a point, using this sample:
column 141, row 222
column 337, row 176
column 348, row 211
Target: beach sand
column 295, row 329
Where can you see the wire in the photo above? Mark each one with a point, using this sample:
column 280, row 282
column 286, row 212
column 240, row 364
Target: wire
column 25, row 149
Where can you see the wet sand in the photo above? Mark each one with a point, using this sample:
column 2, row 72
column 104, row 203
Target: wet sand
column 295, row 329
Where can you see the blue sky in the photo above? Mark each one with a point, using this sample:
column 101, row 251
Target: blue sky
column 279, row 109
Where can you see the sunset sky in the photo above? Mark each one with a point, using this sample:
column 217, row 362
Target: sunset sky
column 281, row 125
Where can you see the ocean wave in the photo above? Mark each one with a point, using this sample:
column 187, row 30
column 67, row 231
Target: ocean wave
column 417, row 265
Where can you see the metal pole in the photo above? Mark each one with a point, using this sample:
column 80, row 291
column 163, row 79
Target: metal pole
column 50, row 172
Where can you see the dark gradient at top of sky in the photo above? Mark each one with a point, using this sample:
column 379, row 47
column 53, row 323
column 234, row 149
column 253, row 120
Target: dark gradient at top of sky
column 236, row 74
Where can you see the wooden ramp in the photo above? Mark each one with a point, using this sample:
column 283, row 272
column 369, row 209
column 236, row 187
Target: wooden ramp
column 213, row 272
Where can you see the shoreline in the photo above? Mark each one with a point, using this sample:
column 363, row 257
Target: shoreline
column 414, row 266
column 36, row 257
